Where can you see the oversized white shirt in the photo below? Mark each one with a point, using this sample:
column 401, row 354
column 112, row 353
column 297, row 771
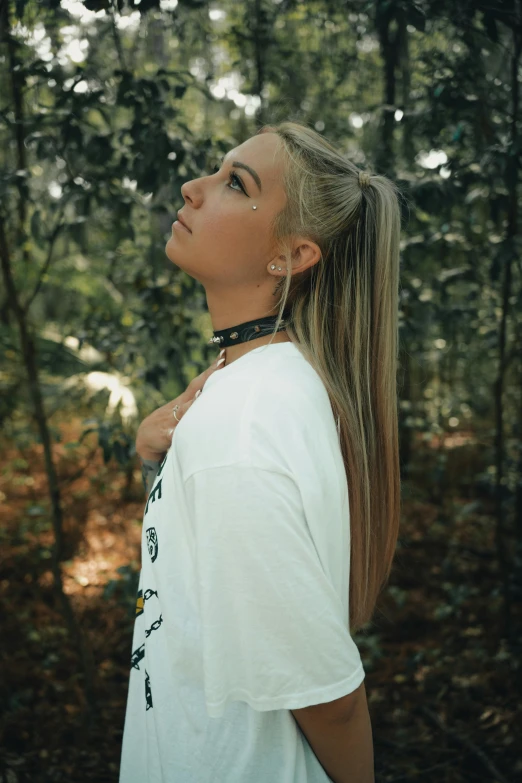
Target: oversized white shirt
column 242, row 606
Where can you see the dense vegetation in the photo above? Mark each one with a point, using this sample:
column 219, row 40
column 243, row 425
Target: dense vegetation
column 106, row 108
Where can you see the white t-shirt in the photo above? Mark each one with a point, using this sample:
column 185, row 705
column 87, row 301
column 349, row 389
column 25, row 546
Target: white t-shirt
column 242, row 609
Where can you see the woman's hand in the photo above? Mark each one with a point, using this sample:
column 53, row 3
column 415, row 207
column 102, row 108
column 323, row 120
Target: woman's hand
column 154, row 436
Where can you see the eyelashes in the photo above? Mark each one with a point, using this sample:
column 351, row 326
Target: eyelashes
column 233, row 178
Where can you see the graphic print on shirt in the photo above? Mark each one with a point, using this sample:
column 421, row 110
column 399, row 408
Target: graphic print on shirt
column 152, row 543
column 141, row 598
column 139, row 653
column 154, row 495
column 144, row 626
column 148, row 694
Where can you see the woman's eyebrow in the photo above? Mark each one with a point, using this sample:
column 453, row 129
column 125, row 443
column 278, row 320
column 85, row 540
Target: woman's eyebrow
column 238, row 165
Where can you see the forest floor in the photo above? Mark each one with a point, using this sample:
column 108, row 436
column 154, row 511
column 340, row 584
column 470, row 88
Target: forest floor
column 443, row 683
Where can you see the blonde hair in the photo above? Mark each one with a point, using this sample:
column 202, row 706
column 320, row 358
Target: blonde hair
column 343, row 314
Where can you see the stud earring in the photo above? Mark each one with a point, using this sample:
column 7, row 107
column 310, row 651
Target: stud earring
column 254, row 207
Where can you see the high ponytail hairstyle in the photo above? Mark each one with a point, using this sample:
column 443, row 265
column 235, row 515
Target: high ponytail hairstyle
column 342, row 312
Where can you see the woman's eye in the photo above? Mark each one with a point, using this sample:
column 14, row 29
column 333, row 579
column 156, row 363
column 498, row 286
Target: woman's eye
column 235, row 178
column 232, row 178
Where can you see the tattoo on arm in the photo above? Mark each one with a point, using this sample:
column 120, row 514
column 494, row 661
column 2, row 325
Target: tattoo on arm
column 149, row 471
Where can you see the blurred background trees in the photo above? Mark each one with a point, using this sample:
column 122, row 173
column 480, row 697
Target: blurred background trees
column 106, row 109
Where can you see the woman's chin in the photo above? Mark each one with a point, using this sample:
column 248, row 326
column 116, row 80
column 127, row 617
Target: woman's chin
column 170, row 250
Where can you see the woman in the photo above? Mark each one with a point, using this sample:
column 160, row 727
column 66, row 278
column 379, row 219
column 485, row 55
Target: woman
column 271, row 525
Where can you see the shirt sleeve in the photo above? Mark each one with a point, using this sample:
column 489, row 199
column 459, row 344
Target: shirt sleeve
column 271, row 621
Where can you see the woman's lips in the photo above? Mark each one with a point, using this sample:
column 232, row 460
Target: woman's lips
column 177, row 224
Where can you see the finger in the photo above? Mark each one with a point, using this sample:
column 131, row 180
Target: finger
column 198, row 382
column 219, row 362
column 183, row 408
column 216, row 363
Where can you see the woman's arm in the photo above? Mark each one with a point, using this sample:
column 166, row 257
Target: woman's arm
column 149, row 471
column 342, row 741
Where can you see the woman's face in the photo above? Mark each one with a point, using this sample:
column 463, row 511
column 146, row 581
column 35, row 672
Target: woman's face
column 230, row 247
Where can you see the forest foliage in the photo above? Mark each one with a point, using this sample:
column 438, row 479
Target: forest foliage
column 106, row 108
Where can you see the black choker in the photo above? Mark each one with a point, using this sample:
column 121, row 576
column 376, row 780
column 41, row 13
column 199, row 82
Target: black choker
column 250, row 330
